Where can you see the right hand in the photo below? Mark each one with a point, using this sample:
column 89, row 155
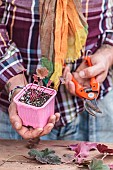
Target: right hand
column 101, row 62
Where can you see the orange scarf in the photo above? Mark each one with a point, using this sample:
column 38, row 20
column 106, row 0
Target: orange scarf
column 63, row 35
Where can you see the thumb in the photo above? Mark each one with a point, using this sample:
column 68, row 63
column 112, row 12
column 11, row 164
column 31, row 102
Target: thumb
column 13, row 116
column 91, row 71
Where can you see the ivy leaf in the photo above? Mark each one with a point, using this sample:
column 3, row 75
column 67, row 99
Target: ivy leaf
column 98, row 165
column 45, row 156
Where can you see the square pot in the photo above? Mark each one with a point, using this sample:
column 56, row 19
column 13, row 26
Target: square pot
column 35, row 116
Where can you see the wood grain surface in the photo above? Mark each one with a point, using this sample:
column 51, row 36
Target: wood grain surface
column 9, row 148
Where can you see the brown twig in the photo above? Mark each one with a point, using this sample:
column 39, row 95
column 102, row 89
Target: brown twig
column 13, row 157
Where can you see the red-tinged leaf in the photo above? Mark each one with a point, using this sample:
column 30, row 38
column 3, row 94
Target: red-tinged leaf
column 42, row 72
column 104, row 149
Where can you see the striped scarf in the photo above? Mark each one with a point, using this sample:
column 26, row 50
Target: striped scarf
column 63, row 32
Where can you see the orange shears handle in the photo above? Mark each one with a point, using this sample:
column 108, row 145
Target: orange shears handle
column 94, row 84
column 80, row 90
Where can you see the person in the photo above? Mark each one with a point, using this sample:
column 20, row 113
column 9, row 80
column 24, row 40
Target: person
column 12, row 65
column 20, row 49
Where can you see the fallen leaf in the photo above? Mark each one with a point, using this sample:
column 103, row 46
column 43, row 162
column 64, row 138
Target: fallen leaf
column 104, row 149
column 98, row 165
column 46, row 156
column 91, row 146
column 82, row 150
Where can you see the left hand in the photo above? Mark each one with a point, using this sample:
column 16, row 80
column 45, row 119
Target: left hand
column 101, row 62
column 30, row 133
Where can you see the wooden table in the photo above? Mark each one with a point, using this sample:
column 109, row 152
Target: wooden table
column 9, row 148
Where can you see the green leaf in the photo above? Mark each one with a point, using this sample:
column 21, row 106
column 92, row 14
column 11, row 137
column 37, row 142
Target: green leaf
column 98, row 165
column 50, row 159
column 45, row 156
column 47, row 152
column 48, row 64
column 33, row 153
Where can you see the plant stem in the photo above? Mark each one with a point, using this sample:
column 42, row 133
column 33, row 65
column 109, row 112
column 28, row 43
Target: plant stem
column 105, row 155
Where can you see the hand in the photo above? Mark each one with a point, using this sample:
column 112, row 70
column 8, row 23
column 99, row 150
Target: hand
column 101, row 61
column 31, row 133
column 68, row 77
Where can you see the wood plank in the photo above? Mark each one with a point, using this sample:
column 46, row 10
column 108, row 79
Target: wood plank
column 9, row 148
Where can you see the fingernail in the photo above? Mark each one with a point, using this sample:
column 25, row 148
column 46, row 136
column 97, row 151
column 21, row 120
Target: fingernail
column 82, row 74
column 40, row 130
column 17, row 125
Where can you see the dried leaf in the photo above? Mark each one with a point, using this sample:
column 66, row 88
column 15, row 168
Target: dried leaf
column 104, row 149
column 42, row 72
column 82, row 150
column 45, row 156
column 98, row 165
column 90, row 145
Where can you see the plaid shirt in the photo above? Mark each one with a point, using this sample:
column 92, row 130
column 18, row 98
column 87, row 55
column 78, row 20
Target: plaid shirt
column 20, row 47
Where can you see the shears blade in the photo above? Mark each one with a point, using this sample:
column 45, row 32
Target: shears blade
column 91, row 107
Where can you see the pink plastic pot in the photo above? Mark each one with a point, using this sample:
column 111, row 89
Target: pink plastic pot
column 32, row 115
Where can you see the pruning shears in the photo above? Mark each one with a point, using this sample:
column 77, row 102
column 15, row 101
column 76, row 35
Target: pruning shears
column 89, row 94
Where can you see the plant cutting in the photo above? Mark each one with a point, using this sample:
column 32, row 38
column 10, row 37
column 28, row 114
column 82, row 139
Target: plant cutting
column 35, row 103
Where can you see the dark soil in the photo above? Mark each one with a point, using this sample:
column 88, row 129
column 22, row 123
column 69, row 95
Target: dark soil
column 35, row 97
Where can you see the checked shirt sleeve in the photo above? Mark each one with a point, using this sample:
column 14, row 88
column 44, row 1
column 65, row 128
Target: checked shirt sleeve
column 108, row 37
column 108, row 33
column 10, row 57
